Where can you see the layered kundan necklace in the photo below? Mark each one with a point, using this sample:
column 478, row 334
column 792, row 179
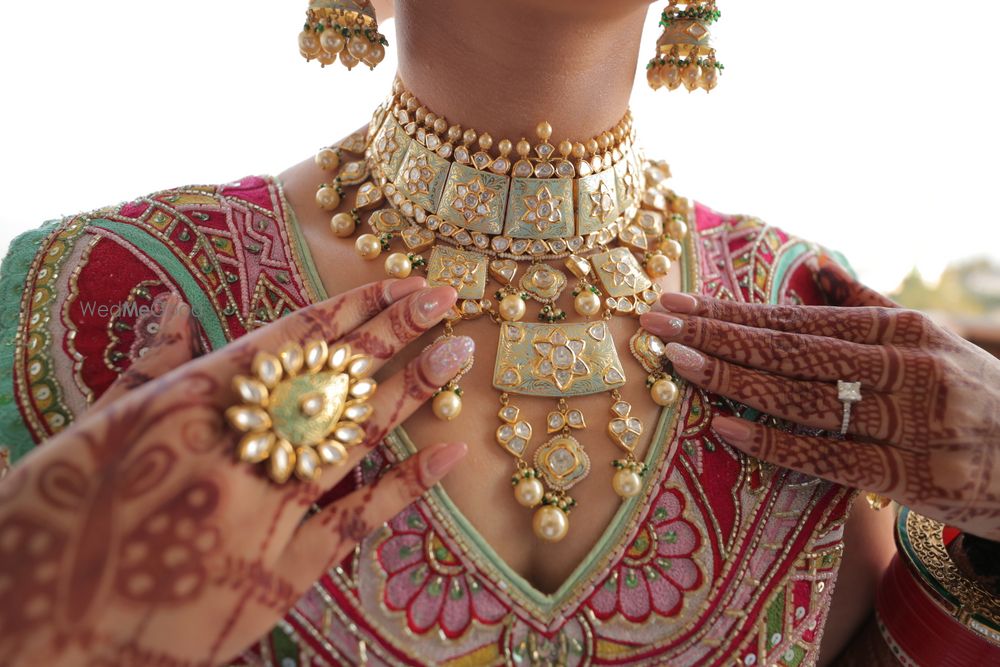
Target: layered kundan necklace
column 490, row 219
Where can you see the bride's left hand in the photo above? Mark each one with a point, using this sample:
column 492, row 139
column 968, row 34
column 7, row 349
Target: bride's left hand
column 926, row 432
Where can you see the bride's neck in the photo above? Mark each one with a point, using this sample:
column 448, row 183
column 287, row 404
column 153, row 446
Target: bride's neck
column 504, row 66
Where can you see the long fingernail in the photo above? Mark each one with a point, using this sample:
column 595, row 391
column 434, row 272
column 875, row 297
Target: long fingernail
column 685, row 358
column 679, row 302
column 397, row 289
column 430, row 305
column 448, row 357
column 442, row 459
column 662, row 325
column 732, row 429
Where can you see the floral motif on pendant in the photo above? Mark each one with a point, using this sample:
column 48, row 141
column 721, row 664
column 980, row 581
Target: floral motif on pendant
column 472, row 200
column 602, row 202
column 417, row 175
column 562, row 462
column 542, row 210
column 560, row 358
column 464, row 271
column 620, row 273
column 543, row 282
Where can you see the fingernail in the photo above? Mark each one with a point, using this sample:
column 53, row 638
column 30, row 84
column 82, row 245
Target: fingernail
column 732, row 429
column 679, row 302
column 397, row 289
column 168, row 314
column 430, row 305
column 442, row 459
column 685, row 358
column 449, row 357
column 662, row 325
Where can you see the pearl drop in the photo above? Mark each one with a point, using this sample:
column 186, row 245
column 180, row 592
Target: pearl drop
column 327, row 159
column 368, row 246
column 671, row 76
column 347, row 59
column 709, row 78
column 691, row 76
column 658, row 266
column 512, row 307
column 358, row 47
column 587, row 303
column 677, row 228
column 343, row 225
column 332, row 42
column 627, row 483
column 398, row 265
column 664, row 392
column 653, row 77
column 447, row 405
column 327, row 198
column 308, row 44
column 529, row 492
column 672, row 249
column 375, row 55
column 550, row 523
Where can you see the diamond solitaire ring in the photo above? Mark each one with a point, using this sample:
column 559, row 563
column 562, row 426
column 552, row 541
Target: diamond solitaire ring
column 848, row 393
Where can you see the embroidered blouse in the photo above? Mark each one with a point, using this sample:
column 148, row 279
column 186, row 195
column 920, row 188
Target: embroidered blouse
column 721, row 559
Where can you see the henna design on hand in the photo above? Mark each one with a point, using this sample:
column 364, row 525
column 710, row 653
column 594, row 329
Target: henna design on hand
column 162, row 561
column 930, row 410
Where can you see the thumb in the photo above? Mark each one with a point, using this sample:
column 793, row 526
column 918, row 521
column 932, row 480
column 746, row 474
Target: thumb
column 174, row 345
column 841, row 288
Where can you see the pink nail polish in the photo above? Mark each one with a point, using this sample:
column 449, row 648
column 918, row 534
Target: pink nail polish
column 662, row 324
column 449, row 357
column 685, row 358
column 430, row 305
column 679, row 302
column 733, row 430
column 443, row 459
column 397, row 289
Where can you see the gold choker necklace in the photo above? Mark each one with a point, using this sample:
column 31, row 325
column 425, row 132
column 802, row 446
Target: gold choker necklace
column 597, row 206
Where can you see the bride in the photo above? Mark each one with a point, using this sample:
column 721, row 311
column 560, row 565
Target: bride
column 654, row 418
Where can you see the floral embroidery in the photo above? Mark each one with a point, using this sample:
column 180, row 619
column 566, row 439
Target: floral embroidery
column 656, row 570
column 428, row 582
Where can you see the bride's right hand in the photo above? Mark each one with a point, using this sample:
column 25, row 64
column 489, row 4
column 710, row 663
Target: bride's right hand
column 134, row 537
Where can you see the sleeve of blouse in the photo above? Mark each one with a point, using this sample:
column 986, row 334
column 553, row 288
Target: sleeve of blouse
column 15, row 276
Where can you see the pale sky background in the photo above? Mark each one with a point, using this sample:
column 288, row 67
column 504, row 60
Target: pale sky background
column 871, row 128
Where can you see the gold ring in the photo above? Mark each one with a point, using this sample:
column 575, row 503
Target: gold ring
column 303, row 408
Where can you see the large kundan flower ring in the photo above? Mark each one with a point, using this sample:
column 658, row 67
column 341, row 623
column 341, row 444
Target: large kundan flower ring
column 302, row 409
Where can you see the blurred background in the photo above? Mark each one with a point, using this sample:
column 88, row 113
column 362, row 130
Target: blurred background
column 873, row 132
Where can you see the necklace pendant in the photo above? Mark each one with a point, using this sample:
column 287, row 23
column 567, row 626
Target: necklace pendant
column 543, row 283
column 562, row 461
column 557, row 360
column 464, row 271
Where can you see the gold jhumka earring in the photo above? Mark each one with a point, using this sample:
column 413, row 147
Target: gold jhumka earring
column 345, row 29
column 684, row 55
